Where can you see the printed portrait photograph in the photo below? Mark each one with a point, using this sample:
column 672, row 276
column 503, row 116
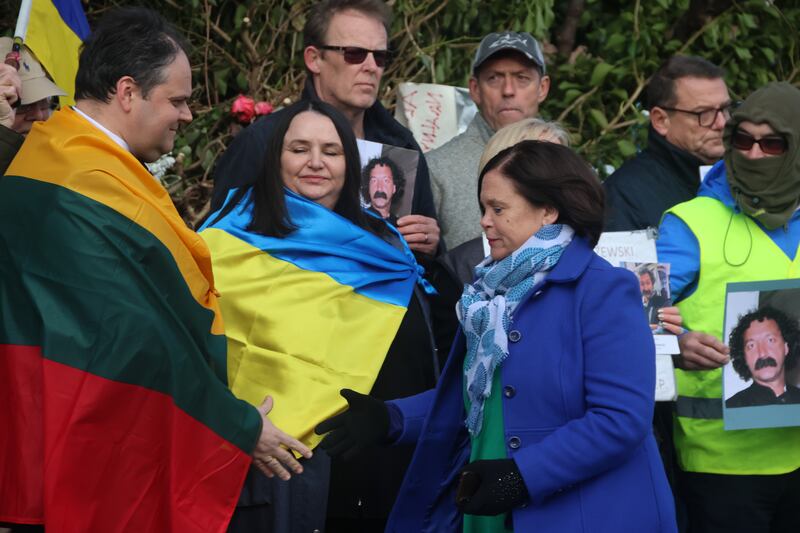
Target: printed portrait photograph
column 761, row 384
column 388, row 174
column 654, row 286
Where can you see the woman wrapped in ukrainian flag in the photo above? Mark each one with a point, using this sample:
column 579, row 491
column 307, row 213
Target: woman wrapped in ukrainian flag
column 314, row 291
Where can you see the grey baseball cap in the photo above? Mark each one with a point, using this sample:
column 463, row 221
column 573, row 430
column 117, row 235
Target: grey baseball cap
column 521, row 42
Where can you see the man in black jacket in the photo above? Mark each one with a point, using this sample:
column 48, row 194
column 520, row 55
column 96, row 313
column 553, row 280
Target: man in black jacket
column 346, row 49
column 689, row 105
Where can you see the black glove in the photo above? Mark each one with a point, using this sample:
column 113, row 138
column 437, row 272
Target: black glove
column 490, row 487
column 365, row 423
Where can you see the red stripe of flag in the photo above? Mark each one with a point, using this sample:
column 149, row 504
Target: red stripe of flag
column 123, row 457
column 21, row 436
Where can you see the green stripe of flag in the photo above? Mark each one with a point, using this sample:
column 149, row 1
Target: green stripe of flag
column 101, row 294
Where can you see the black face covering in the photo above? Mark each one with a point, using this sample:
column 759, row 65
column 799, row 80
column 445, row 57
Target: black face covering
column 767, row 189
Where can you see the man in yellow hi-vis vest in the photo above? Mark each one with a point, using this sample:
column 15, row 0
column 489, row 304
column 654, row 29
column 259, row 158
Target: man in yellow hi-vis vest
column 743, row 226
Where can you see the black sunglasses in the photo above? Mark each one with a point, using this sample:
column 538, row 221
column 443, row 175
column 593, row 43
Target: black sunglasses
column 355, row 55
column 771, row 144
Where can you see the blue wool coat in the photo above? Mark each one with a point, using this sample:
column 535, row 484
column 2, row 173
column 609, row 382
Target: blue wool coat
column 578, row 389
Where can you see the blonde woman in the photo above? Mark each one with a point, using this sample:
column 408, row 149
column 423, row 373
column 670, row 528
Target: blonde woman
column 459, row 263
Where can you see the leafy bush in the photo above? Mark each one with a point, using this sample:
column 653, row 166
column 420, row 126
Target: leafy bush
column 600, row 55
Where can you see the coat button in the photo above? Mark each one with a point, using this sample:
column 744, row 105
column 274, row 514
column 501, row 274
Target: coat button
column 514, row 443
column 509, row 391
column 514, row 335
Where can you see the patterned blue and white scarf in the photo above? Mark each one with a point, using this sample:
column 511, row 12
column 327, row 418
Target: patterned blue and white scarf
column 486, row 306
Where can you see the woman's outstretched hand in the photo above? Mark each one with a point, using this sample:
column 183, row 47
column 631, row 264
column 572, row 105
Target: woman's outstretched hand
column 364, row 424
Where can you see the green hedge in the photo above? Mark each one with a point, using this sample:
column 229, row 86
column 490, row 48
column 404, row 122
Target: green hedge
column 598, row 74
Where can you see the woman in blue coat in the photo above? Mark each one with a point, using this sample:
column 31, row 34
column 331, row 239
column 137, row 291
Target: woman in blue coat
column 541, row 421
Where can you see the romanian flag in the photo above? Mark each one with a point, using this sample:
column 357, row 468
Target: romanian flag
column 115, row 415
column 308, row 314
column 55, row 33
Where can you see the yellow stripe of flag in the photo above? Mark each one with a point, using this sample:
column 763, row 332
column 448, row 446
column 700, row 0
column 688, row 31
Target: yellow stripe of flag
column 297, row 335
column 105, row 175
column 56, row 46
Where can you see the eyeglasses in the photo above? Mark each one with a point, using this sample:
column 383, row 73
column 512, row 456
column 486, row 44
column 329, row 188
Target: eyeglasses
column 707, row 117
column 43, row 105
column 770, row 145
column 356, row 55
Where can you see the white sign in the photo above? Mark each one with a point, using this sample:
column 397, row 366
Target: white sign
column 434, row 113
column 666, row 344
column 665, row 378
column 619, row 247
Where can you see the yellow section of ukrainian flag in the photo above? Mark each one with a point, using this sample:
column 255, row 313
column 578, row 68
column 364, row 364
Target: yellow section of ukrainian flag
column 295, row 334
column 56, row 46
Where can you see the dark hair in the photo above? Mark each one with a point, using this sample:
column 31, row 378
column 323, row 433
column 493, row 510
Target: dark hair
column 645, row 270
column 320, row 16
column 131, row 41
column 270, row 216
column 547, row 173
column 661, row 88
column 790, row 331
column 397, row 177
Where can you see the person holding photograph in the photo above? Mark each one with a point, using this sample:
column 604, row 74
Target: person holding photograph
column 317, row 295
column 345, row 51
column 743, row 226
column 542, row 418
column 764, row 345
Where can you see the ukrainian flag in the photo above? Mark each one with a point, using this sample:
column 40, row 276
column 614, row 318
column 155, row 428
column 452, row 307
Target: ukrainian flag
column 55, row 33
column 308, row 314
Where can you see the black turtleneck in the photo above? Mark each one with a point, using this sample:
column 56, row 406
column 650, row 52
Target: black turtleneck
column 657, row 179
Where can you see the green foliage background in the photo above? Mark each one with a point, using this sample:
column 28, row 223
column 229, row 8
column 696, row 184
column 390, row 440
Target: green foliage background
column 255, row 48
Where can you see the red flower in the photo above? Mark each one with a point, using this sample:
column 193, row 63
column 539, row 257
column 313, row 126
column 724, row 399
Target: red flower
column 263, row 108
column 243, row 109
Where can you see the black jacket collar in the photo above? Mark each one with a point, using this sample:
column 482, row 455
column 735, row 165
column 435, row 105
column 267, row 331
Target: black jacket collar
column 686, row 166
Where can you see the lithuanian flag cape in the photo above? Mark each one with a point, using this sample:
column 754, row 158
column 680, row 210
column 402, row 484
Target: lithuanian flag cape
column 308, row 314
column 112, row 416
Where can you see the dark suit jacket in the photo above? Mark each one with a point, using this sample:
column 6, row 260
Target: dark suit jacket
column 757, row 394
column 656, row 302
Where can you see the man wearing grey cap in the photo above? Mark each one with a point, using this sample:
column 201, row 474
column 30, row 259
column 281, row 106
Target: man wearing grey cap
column 32, row 89
column 508, row 83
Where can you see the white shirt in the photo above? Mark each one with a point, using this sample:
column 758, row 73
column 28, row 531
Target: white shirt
column 114, row 137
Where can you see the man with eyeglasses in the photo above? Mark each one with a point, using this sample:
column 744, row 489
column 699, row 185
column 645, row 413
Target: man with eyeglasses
column 744, row 225
column 25, row 97
column 689, row 104
column 346, row 53
column 508, row 83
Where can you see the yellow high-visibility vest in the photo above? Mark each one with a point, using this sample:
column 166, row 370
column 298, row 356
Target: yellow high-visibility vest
column 733, row 248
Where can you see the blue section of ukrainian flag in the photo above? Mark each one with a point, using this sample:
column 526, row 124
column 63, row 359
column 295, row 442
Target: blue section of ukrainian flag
column 306, row 315
column 72, row 14
column 55, row 33
column 326, row 242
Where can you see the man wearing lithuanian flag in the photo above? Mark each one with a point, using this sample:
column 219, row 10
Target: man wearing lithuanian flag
column 115, row 411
